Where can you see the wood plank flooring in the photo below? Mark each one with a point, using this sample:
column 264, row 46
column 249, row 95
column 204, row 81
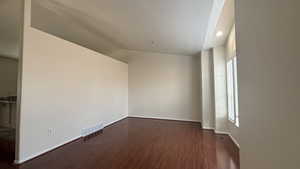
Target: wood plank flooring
column 135, row 143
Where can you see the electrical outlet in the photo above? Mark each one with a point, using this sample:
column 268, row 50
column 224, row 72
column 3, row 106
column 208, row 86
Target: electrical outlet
column 50, row 132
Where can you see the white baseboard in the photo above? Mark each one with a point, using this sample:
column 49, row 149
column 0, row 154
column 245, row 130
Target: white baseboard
column 222, row 132
column 208, row 128
column 108, row 124
column 235, row 141
column 165, row 118
column 18, row 162
column 231, row 137
column 88, row 131
column 44, row 151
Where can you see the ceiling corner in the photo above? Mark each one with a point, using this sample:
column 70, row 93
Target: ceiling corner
column 213, row 22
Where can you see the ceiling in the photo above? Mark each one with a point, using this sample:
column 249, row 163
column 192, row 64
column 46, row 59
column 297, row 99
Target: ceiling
column 107, row 26
column 10, row 17
column 183, row 27
column 224, row 23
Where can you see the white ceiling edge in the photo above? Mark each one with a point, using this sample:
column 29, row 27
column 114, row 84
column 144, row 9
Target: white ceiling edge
column 216, row 12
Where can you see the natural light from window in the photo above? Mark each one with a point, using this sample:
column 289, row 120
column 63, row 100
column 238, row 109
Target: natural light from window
column 232, row 91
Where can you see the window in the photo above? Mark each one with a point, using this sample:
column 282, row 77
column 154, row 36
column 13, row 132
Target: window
column 232, row 91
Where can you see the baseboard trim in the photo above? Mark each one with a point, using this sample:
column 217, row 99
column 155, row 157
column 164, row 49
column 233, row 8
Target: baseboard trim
column 234, row 141
column 230, row 136
column 48, row 150
column 222, row 132
column 114, row 122
column 167, row 119
column 208, row 128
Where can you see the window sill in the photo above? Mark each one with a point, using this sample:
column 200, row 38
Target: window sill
column 233, row 123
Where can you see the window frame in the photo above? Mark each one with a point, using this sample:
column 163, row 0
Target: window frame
column 232, row 91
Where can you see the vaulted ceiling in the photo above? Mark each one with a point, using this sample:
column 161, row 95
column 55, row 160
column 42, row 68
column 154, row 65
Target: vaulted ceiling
column 182, row 27
column 222, row 19
column 106, row 26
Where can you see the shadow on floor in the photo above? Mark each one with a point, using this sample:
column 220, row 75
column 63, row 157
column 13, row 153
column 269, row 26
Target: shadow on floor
column 7, row 144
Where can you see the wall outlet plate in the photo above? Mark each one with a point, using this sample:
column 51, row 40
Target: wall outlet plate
column 50, row 131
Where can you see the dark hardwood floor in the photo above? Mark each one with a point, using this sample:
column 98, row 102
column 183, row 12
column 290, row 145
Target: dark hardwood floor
column 7, row 145
column 142, row 144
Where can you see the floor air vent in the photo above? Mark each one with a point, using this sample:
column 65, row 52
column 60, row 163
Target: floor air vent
column 92, row 130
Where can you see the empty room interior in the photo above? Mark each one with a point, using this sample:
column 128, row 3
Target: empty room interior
column 149, row 84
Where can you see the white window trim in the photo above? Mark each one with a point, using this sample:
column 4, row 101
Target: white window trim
column 232, row 91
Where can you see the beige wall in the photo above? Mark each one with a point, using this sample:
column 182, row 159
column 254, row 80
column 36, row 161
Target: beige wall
column 214, row 88
column 220, row 90
column 214, row 91
column 207, row 79
column 231, row 44
column 268, row 71
column 65, row 88
column 9, row 76
column 164, row 86
column 8, row 87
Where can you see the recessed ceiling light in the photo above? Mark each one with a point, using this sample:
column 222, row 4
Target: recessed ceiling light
column 219, row 33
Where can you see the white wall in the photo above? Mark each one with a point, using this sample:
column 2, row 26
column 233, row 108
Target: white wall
column 214, row 91
column 231, row 44
column 65, row 88
column 268, row 71
column 208, row 108
column 164, row 86
column 220, row 90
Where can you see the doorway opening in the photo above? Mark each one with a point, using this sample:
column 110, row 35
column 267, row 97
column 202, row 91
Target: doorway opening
column 11, row 17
